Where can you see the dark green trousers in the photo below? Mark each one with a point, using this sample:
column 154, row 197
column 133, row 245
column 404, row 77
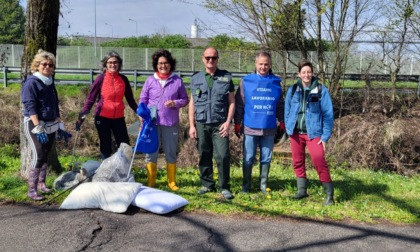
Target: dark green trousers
column 210, row 142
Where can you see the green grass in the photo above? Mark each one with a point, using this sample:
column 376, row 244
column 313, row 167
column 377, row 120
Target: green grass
column 361, row 195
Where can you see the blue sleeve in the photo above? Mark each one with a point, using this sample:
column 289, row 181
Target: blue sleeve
column 327, row 114
column 30, row 98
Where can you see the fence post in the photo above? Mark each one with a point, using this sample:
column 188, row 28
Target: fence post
column 5, row 77
column 135, row 80
column 91, row 76
column 418, row 88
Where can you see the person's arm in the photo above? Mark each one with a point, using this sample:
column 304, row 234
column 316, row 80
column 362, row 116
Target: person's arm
column 93, row 93
column 280, row 108
column 129, row 95
column 327, row 115
column 193, row 131
column 225, row 127
column 57, row 107
column 239, row 104
column 144, row 94
column 287, row 105
column 183, row 96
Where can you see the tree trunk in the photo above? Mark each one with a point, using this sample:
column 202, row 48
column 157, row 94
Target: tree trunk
column 40, row 33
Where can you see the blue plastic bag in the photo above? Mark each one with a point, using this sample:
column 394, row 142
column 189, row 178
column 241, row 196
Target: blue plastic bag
column 148, row 141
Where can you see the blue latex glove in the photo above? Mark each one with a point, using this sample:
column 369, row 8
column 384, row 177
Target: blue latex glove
column 40, row 133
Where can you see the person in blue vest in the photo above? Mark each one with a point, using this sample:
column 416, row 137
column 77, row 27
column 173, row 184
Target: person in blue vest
column 309, row 119
column 259, row 108
column 210, row 112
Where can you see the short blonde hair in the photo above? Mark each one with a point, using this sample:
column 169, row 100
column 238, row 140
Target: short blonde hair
column 40, row 56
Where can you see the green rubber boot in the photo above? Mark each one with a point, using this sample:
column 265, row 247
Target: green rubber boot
column 302, row 185
column 329, row 192
column 264, row 170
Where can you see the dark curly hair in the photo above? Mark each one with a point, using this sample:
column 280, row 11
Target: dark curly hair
column 163, row 53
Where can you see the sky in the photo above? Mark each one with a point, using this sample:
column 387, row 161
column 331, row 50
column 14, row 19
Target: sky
column 150, row 17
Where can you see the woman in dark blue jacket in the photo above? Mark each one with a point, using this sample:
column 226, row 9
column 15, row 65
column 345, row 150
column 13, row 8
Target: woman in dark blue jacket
column 309, row 119
column 41, row 119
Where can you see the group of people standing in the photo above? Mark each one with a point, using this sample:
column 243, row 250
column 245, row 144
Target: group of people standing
column 257, row 109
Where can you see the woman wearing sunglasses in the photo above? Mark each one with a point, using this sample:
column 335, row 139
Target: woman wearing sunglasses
column 41, row 119
column 109, row 90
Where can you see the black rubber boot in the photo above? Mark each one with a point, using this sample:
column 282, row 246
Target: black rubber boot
column 264, row 170
column 247, row 179
column 302, row 185
column 329, row 192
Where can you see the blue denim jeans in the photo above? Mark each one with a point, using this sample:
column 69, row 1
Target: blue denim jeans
column 266, row 144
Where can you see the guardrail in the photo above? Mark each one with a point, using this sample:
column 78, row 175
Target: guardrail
column 92, row 73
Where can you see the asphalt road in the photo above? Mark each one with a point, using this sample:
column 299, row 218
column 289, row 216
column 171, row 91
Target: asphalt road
column 32, row 228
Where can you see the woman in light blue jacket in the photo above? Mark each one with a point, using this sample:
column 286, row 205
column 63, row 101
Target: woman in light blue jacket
column 309, row 119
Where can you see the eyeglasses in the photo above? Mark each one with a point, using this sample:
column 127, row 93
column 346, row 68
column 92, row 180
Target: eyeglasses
column 163, row 63
column 46, row 64
column 113, row 63
column 213, row 58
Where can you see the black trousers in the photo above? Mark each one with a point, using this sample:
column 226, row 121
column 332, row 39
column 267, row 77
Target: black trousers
column 39, row 151
column 106, row 128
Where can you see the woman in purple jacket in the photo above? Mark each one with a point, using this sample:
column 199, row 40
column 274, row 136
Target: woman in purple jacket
column 166, row 92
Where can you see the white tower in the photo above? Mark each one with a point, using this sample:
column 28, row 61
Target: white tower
column 194, row 29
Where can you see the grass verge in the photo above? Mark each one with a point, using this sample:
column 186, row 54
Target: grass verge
column 361, row 195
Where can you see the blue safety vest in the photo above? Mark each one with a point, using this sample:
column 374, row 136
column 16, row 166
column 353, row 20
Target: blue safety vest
column 261, row 94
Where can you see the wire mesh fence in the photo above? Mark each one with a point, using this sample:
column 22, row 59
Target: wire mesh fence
column 88, row 57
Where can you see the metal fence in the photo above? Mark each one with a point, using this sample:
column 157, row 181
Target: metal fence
column 83, row 57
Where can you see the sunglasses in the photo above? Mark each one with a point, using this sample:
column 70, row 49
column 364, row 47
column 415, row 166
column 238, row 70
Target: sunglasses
column 46, row 64
column 213, row 58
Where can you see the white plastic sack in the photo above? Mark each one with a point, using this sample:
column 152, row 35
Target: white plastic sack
column 116, row 167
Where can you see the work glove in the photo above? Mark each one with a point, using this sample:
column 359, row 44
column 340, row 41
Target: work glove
column 81, row 119
column 238, row 130
column 62, row 134
column 40, row 133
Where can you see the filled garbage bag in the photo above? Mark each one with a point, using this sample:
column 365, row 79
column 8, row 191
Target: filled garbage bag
column 116, row 167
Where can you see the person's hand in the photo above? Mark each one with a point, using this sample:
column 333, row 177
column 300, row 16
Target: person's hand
column 62, row 134
column 323, row 144
column 238, row 130
column 170, row 104
column 282, row 127
column 224, row 129
column 193, row 132
column 81, row 119
column 40, row 133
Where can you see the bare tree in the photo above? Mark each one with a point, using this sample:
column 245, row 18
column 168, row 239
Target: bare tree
column 269, row 22
column 41, row 31
column 341, row 22
column 395, row 37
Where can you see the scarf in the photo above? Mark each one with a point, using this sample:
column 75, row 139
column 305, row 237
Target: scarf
column 163, row 76
column 47, row 80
